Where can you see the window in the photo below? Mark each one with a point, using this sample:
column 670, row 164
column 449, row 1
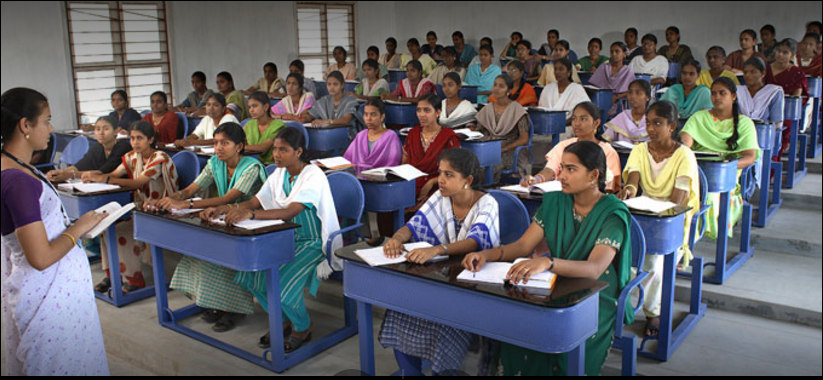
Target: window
column 320, row 28
column 117, row 45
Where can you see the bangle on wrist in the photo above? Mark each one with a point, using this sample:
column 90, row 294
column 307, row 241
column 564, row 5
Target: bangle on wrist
column 68, row 235
column 501, row 254
column 445, row 250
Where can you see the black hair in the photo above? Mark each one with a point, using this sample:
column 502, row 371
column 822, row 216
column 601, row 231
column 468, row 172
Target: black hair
column 518, row 34
column 525, row 43
column 695, row 63
column 666, row 110
column 374, row 49
column 729, row 84
column 217, row 96
column 599, row 42
column 432, row 99
column 518, row 65
column 160, row 94
column 564, row 44
column 296, row 140
column 431, row 33
column 757, row 63
column 716, row 48
column 373, row 64
column 336, row 75
column 491, row 41
column 647, row 88
column 507, row 79
column 454, row 77
column 650, row 37
column 391, row 40
column 466, row 163
column 417, row 66
column 592, row 156
column 555, row 32
column 227, row 76
column 270, row 65
column 813, row 36
column 122, row 94
column 234, row 132
column 818, row 24
column 453, row 52
column 262, row 98
column 340, row 48
column 768, row 27
column 789, row 43
column 458, row 34
column 298, row 64
column 621, row 45
column 594, row 112
column 487, row 48
column 632, row 30
column 108, row 120
column 566, row 62
column 676, row 30
column 298, row 78
column 376, row 102
column 199, row 75
column 413, row 41
column 146, row 129
column 750, row 32
column 17, row 104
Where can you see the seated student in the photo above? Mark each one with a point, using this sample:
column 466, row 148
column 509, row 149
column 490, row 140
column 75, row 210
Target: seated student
column 664, row 170
column 614, row 75
column 455, row 112
column 585, row 120
column 547, row 76
column 237, row 178
column 748, row 41
column 450, row 64
column 373, row 53
column 299, row 192
column 431, row 47
column 424, row 145
column 674, row 51
column 650, row 62
column 216, row 115
column 476, row 59
column 482, row 75
column 688, row 96
column 522, row 92
column 593, row 61
column 793, row 80
column 807, row 59
column 531, row 62
column 562, row 94
column 723, row 130
column 270, row 83
column 767, row 47
column 225, row 86
column 124, row 114
column 465, row 52
column 336, row 109
column 630, row 125
column 716, row 58
column 101, row 158
column 510, row 50
column 506, row 119
column 153, row 175
column 588, row 235
column 413, row 87
column 50, row 320
column 297, row 67
column 195, row 103
column 391, row 59
column 755, row 97
column 630, row 40
column 816, row 27
column 262, row 128
column 546, row 51
column 163, row 121
column 415, row 55
column 458, row 219
column 297, row 101
column 372, row 85
column 348, row 69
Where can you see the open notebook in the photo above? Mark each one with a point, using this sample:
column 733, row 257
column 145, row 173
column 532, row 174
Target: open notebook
column 645, row 203
column 334, row 163
column 376, row 258
column 115, row 212
column 87, row 188
column 495, row 273
column 540, row 188
column 406, row 172
column 249, row 225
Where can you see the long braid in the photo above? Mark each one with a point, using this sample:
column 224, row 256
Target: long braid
column 732, row 141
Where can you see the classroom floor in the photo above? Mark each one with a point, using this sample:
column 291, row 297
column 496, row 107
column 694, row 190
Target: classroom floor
column 766, row 320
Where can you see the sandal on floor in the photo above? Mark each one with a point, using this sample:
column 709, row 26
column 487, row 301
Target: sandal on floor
column 226, row 323
column 295, row 343
column 265, row 341
column 654, row 329
column 131, row 288
column 103, row 286
column 211, row 316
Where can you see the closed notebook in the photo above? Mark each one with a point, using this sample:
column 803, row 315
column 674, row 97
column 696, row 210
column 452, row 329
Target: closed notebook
column 115, row 212
column 495, row 273
column 375, row 257
column 249, row 225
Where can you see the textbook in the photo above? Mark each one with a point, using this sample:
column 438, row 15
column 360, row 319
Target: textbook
column 495, row 273
column 396, row 103
column 645, row 203
column 249, row 225
column 376, row 258
column 87, row 187
column 406, row 172
column 623, row 145
column 469, row 134
column 115, row 212
column 334, row 163
column 540, row 188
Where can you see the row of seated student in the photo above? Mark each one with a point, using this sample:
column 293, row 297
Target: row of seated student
column 661, row 167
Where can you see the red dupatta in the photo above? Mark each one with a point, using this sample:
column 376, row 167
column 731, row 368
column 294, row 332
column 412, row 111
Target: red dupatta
column 814, row 69
column 428, row 161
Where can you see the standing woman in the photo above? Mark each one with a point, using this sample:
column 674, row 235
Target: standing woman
column 688, row 96
column 262, row 128
column 153, row 175
column 723, row 130
column 225, row 85
column 482, row 75
column 49, row 312
column 588, row 235
column 296, row 103
column 163, row 121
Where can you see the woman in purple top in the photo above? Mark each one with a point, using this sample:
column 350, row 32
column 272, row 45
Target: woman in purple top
column 49, row 313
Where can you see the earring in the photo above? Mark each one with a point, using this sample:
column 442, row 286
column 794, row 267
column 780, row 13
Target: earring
column 28, row 136
column 466, row 186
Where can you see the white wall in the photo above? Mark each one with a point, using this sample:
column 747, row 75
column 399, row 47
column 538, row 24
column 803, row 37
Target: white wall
column 240, row 37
